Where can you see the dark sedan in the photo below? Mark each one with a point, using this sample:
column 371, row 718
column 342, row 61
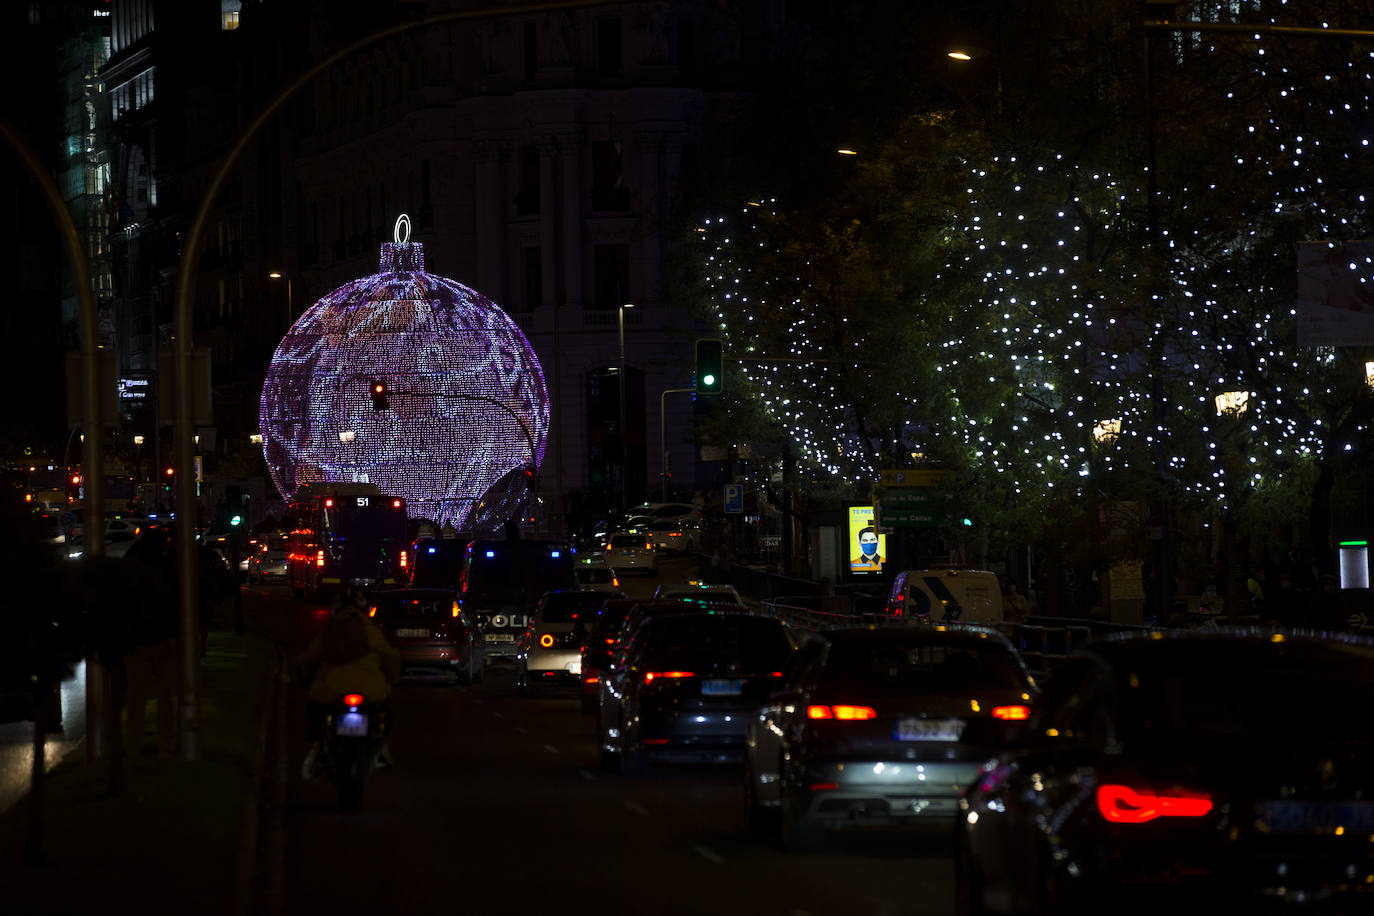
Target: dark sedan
column 1231, row 768
column 431, row 631
column 686, row 686
column 602, row 637
column 882, row 728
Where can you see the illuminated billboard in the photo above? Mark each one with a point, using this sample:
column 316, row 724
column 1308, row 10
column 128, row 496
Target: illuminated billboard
column 413, row 382
column 867, row 548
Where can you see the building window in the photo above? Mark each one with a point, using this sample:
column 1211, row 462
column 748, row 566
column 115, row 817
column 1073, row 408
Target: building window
column 608, row 190
column 532, row 279
column 608, row 46
column 611, row 266
column 228, row 20
column 687, row 49
column 527, row 198
column 531, row 52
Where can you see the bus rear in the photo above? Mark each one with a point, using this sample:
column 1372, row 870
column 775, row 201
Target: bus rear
column 356, row 539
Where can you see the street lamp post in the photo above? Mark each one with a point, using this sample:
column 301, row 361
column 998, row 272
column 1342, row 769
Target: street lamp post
column 624, row 437
column 663, row 434
column 278, row 275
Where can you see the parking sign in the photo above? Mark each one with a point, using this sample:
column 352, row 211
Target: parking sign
column 734, row 498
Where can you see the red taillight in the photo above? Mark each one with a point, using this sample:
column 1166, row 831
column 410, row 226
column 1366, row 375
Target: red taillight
column 841, row 711
column 650, row 676
column 353, row 699
column 404, row 558
column 372, row 611
column 456, row 609
column 591, row 680
column 824, row 786
column 1124, row 805
column 319, row 558
column 1011, row 713
column 546, row 640
column 653, row 741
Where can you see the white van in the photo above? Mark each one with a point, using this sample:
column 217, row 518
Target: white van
column 947, row 596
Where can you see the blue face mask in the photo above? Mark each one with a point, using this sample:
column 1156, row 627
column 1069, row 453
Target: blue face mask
column 869, row 548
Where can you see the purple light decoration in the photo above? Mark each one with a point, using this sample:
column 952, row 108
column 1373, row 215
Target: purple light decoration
column 466, row 409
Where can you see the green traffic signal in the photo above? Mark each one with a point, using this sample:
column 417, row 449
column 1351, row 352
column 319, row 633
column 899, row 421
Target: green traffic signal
column 710, row 374
column 235, row 521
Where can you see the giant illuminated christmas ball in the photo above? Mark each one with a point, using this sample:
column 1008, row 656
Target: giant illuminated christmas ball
column 413, row 382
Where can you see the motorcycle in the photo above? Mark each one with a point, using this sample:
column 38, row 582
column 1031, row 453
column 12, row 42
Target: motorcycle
column 355, row 734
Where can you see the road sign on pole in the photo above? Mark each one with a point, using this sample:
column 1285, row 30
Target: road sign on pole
column 734, row 498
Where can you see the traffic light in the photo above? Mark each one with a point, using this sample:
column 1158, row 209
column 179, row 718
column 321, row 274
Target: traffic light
column 529, row 479
column 234, row 502
column 710, row 376
column 379, row 401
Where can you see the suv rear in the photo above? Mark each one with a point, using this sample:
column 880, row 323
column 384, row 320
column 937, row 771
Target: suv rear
column 550, row 651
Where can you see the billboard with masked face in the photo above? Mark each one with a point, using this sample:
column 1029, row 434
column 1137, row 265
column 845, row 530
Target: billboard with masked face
column 868, row 548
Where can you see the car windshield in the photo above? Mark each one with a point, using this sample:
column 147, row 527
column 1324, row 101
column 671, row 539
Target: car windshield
column 1289, row 693
column 691, row 641
column 919, row 666
column 627, row 541
column 569, row 607
column 396, row 607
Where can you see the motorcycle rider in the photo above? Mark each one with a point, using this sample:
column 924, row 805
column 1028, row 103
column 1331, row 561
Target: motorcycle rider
column 350, row 655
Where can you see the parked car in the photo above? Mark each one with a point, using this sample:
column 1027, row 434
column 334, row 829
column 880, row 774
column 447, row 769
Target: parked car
column 631, row 553
column 881, row 728
column 550, row 650
column 268, row 561
column 687, row 686
column 1231, row 768
column 431, row 631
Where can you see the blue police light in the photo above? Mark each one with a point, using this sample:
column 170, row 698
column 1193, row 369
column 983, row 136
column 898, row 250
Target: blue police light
column 432, row 549
column 491, row 553
column 554, row 553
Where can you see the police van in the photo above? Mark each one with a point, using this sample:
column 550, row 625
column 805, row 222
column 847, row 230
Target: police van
column 946, row 596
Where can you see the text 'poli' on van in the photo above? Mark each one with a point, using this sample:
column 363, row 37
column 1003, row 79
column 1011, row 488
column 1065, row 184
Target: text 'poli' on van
column 946, row 596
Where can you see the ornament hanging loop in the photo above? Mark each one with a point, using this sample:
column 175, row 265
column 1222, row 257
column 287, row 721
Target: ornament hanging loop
column 402, row 222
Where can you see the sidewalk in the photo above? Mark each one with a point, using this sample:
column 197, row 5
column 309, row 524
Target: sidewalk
column 178, row 839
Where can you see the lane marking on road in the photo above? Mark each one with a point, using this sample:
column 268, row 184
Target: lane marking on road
column 708, row 855
column 637, row 809
column 551, row 749
column 587, row 775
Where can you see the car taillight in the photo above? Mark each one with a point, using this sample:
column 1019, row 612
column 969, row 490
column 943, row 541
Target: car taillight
column 404, row 558
column 353, row 699
column 546, row 640
column 1011, row 713
column 824, row 786
column 841, row 711
column 372, row 611
column 319, row 558
column 1124, row 805
column 455, row 609
column 591, row 680
column 650, row 676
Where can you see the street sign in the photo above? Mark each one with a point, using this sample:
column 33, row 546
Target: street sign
column 916, row 477
column 912, row 518
column 911, row 498
column 734, row 498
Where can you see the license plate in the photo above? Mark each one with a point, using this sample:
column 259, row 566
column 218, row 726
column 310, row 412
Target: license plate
column 500, row 637
column 1357, row 817
column 721, row 687
column 352, row 724
column 929, row 729
column 412, row 634
column 575, row 667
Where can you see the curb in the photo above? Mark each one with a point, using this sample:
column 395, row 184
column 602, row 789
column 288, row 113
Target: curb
column 262, row 797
